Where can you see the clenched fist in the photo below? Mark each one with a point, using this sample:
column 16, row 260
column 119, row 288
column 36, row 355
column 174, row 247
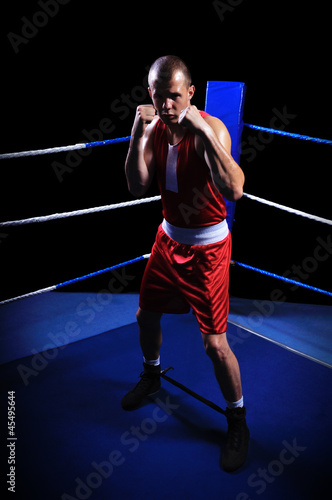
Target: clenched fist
column 191, row 118
column 145, row 113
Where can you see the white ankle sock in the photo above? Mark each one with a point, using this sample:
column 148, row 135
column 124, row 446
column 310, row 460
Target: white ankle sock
column 152, row 362
column 235, row 404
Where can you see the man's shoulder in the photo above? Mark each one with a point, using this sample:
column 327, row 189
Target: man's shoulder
column 219, row 129
column 215, row 123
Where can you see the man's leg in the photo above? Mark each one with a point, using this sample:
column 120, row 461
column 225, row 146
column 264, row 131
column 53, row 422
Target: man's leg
column 227, row 372
column 150, row 338
column 150, row 335
column 226, row 366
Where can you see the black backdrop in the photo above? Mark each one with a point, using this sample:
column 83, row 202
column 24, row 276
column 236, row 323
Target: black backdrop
column 75, row 71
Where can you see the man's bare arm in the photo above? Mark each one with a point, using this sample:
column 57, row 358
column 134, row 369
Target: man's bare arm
column 139, row 166
column 228, row 177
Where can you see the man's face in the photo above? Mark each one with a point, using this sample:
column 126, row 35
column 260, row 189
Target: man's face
column 170, row 98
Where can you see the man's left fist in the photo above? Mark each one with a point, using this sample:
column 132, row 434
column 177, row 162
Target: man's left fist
column 190, row 117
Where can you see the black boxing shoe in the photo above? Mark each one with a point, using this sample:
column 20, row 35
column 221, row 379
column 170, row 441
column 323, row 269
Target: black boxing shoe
column 237, row 444
column 148, row 385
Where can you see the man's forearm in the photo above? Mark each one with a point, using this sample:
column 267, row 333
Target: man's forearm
column 135, row 168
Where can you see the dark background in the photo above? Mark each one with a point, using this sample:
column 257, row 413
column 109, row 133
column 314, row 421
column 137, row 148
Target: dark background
column 71, row 77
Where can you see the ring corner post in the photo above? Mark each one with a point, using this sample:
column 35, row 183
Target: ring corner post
column 225, row 100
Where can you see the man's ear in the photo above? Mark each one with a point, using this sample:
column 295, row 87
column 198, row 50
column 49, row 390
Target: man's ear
column 191, row 91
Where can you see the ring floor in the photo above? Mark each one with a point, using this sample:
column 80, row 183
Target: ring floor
column 79, row 354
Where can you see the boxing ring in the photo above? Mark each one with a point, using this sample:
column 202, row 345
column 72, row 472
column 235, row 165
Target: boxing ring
column 69, row 381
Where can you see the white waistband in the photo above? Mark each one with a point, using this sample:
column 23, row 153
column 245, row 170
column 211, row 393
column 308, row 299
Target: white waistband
column 198, row 235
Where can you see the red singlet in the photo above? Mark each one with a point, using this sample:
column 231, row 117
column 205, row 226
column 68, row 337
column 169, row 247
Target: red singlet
column 194, row 200
column 179, row 276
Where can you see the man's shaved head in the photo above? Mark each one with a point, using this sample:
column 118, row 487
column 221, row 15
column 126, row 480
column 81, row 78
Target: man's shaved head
column 164, row 68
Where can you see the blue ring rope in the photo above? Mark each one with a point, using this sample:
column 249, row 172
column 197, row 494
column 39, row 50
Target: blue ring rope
column 143, row 257
column 75, row 280
column 146, row 256
column 288, row 134
column 107, row 142
column 97, row 273
column 249, row 125
column 282, row 278
column 127, row 138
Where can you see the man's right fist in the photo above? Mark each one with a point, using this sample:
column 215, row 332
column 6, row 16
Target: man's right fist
column 145, row 113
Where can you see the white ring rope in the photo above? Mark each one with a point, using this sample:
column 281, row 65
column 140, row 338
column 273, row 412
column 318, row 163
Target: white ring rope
column 60, row 149
column 104, row 208
column 36, row 152
column 26, row 295
column 288, row 209
column 86, row 211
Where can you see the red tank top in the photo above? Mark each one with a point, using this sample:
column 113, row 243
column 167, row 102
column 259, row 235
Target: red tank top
column 189, row 196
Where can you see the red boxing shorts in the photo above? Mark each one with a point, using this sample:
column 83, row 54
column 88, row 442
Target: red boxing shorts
column 179, row 277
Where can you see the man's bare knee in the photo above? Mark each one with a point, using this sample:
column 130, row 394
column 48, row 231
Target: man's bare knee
column 216, row 346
